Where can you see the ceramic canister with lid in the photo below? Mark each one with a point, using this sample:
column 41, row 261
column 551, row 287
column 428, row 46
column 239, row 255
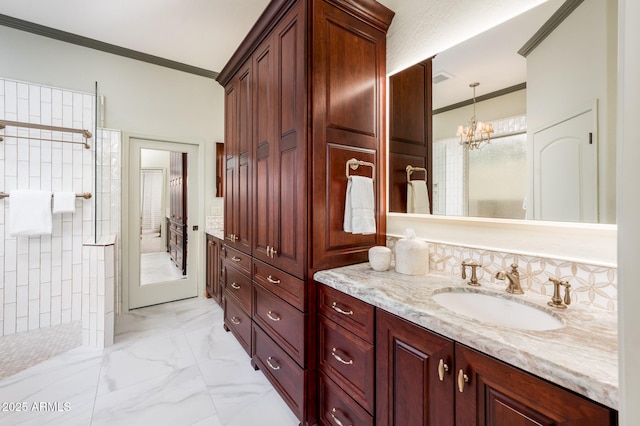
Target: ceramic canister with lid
column 412, row 255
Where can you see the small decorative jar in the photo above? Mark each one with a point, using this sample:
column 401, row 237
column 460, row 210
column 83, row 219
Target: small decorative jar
column 380, row 258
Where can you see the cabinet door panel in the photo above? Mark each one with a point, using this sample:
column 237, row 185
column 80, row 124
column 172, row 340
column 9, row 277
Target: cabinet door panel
column 499, row 394
column 409, row 390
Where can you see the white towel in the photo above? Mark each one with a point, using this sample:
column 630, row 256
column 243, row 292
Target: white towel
column 64, row 202
column 29, row 213
column 359, row 209
column 417, row 197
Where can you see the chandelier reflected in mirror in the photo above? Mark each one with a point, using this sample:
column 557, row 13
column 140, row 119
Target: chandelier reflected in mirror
column 477, row 133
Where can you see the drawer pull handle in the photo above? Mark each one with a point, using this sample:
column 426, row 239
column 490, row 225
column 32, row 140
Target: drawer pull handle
column 273, row 367
column 235, row 320
column 235, row 259
column 339, row 358
column 335, row 418
column 442, row 368
column 235, row 286
column 462, row 379
column 273, row 280
column 271, row 316
column 337, row 309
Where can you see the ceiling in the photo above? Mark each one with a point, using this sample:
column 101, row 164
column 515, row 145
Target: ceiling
column 205, row 33
column 200, row 33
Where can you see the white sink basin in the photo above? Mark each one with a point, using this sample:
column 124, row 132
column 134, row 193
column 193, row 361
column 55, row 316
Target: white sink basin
column 498, row 310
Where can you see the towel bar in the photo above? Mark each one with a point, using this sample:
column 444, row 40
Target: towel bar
column 85, row 195
column 353, row 163
column 410, row 169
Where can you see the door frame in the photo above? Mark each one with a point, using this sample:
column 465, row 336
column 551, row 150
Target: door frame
column 197, row 247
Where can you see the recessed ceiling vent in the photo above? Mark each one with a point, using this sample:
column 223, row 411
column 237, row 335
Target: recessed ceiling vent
column 441, row 76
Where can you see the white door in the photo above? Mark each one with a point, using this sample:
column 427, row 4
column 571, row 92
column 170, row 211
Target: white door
column 152, row 276
column 565, row 170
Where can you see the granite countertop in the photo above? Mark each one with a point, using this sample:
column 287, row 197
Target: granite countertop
column 581, row 356
column 214, row 232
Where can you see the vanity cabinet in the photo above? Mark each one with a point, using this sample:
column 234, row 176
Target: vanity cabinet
column 213, row 268
column 304, row 93
column 423, row 378
column 346, row 359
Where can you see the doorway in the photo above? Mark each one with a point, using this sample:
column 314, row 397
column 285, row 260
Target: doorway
column 163, row 260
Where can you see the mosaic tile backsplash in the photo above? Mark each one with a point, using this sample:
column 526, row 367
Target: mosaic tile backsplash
column 590, row 284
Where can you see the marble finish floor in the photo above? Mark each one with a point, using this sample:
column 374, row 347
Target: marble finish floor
column 158, row 267
column 172, row 364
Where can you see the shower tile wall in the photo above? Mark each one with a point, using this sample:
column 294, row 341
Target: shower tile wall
column 41, row 277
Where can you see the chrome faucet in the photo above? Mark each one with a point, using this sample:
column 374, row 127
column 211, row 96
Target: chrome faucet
column 513, row 276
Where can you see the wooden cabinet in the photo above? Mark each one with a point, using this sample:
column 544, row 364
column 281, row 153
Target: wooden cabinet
column 236, row 295
column 213, row 268
column 425, row 379
column 304, row 93
column 238, row 153
column 177, row 224
column 410, row 131
column 346, row 358
column 409, row 389
column 494, row 393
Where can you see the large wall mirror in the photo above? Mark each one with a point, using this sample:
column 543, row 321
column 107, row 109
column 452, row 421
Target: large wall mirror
column 547, row 85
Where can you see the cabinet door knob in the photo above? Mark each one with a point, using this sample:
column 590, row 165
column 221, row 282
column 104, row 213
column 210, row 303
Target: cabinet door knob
column 335, row 418
column 335, row 306
column 339, row 358
column 273, row 280
column 273, row 367
column 442, row 368
column 462, row 379
column 235, row 286
column 235, row 320
column 235, row 259
column 272, row 316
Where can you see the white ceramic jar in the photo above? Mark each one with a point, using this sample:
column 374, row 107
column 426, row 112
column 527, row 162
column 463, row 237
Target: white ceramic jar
column 380, row 258
column 412, row 255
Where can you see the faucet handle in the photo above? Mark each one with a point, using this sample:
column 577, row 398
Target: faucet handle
column 556, row 300
column 474, row 279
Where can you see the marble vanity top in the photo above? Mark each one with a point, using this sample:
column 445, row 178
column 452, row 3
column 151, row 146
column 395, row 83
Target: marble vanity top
column 581, row 356
column 214, row 232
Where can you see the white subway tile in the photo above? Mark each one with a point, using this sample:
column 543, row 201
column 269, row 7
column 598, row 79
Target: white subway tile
column 10, row 287
column 34, row 314
column 22, row 324
column 76, row 310
column 9, row 318
column 45, row 319
column 66, row 316
column 22, row 302
column 56, row 310
column 45, row 298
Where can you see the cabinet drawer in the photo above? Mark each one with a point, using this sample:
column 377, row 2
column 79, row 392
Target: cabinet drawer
column 349, row 361
column 238, row 322
column 280, row 283
column 351, row 313
column 281, row 370
column 284, row 323
column 238, row 285
column 237, row 259
column 337, row 408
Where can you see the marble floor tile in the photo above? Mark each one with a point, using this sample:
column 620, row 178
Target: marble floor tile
column 172, row 364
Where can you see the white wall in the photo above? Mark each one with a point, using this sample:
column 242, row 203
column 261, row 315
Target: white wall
column 568, row 71
column 628, row 207
column 141, row 98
